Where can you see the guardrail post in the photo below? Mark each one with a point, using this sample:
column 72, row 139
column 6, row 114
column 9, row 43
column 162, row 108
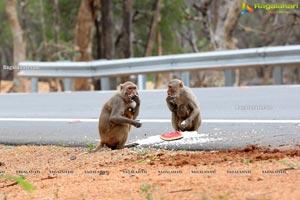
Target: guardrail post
column 68, row 84
column 277, row 75
column 34, row 84
column 141, row 82
column 105, row 83
column 228, row 77
column 185, row 77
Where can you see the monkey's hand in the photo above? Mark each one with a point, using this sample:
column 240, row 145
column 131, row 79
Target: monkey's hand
column 136, row 99
column 171, row 103
column 183, row 124
column 170, row 99
column 186, row 123
column 137, row 124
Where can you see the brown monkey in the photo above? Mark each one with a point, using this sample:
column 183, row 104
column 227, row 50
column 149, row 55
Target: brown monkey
column 117, row 116
column 184, row 107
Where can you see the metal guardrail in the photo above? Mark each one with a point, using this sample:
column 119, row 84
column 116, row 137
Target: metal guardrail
column 217, row 60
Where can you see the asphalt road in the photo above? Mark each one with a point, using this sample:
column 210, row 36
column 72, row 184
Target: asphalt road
column 232, row 117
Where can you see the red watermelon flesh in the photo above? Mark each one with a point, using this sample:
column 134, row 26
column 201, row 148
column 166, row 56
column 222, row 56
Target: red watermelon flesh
column 171, row 136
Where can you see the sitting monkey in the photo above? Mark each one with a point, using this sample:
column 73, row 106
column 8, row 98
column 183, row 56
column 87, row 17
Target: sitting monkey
column 184, row 107
column 117, row 116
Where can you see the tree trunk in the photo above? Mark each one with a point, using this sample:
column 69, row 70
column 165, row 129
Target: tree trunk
column 44, row 54
column 85, row 21
column 220, row 35
column 56, row 22
column 126, row 44
column 152, row 34
column 230, row 24
column 54, row 83
column 99, row 46
column 27, row 31
column 228, row 18
column 126, row 39
column 6, row 57
column 163, row 78
column 154, row 27
column 41, row 6
column 226, row 40
column 99, row 49
column 107, row 34
column 107, row 28
column 208, row 28
column 19, row 45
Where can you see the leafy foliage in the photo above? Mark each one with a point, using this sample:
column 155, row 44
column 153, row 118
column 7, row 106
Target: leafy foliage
column 26, row 185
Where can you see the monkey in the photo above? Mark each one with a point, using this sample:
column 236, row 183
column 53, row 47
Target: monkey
column 184, row 107
column 117, row 116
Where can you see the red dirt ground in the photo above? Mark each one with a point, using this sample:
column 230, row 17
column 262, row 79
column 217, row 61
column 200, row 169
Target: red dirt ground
column 253, row 173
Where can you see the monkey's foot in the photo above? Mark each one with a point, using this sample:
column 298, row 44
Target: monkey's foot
column 131, row 145
column 171, row 136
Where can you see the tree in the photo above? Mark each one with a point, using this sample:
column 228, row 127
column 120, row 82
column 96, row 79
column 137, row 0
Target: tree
column 55, row 83
column 155, row 35
column 126, row 44
column 226, row 23
column 56, row 21
column 85, row 22
column 154, row 27
column 19, row 45
column 107, row 29
column 124, row 40
column 220, row 34
column 6, row 48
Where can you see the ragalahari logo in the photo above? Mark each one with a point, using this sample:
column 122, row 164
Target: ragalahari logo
column 246, row 9
column 271, row 8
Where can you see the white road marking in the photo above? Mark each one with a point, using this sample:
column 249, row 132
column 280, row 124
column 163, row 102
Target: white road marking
column 234, row 121
column 250, row 121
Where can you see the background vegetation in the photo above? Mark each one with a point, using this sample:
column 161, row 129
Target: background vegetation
column 51, row 30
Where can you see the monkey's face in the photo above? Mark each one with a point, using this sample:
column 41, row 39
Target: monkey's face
column 171, row 90
column 173, row 87
column 129, row 90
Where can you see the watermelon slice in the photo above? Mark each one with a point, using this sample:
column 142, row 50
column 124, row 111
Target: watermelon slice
column 171, row 136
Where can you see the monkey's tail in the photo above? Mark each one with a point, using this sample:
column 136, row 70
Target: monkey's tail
column 97, row 148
